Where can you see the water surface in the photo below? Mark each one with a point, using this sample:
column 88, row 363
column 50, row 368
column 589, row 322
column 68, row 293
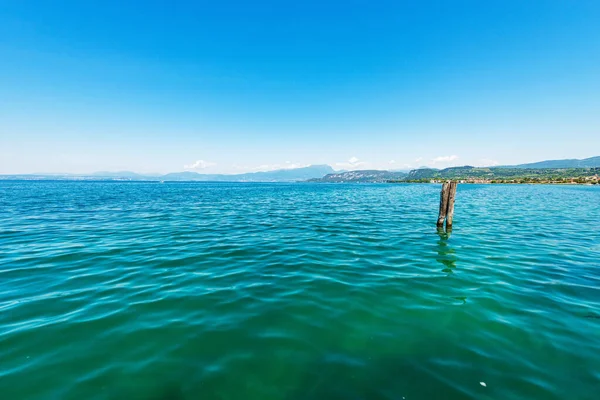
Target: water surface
column 297, row 291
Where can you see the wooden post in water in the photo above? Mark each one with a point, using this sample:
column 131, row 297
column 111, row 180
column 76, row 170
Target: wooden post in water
column 447, row 197
column 443, row 204
column 451, row 198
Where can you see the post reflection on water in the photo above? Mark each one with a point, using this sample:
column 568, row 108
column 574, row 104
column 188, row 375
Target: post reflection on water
column 446, row 254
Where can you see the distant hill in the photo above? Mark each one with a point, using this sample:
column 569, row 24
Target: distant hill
column 542, row 169
column 447, row 173
column 120, row 174
column 282, row 175
column 324, row 173
column 502, row 173
column 188, row 176
column 592, row 162
column 361, row 176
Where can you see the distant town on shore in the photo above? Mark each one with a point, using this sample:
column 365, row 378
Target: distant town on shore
column 570, row 171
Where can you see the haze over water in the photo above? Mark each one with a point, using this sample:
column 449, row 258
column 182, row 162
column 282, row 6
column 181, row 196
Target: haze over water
column 297, row 291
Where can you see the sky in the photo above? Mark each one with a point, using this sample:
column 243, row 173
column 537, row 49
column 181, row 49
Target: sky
column 239, row 86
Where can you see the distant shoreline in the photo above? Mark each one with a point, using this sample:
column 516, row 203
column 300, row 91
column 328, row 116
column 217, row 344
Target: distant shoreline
column 585, row 171
column 437, row 182
column 567, row 181
column 509, row 183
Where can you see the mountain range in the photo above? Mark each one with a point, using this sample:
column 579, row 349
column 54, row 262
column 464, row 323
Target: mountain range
column 572, row 167
column 282, row 175
column 592, row 162
column 371, row 176
column 325, row 173
column 500, row 173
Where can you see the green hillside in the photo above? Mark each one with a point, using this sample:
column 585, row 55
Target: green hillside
column 469, row 173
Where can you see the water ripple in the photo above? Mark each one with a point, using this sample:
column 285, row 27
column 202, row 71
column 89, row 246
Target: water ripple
column 299, row 291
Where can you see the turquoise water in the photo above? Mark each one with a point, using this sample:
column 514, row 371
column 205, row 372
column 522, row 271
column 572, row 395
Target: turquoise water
column 297, row 291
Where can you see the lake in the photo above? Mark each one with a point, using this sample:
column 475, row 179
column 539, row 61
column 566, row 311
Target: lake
column 125, row 290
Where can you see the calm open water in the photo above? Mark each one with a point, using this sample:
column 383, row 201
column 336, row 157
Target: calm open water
column 297, row 291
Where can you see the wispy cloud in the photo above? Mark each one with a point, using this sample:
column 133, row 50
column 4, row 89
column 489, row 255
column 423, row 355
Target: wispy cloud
column 416, row 164
column 352, row 164
column 292, row 165
column 199, row 165
column 269, row 167
column 444, row 159
column 487, row 162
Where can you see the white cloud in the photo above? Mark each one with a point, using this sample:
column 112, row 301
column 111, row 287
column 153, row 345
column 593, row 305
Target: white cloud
column 352, row 164
column 486, row 162
column 291, row 165
column 419, row 159
column 392, row 162
column 269, row 167
column 444, row 159
column 198, row 165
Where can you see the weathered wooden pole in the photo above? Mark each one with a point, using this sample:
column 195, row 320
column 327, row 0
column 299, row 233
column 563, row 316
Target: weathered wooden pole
column 443, row 204
column 451, row 198
column 447, row 197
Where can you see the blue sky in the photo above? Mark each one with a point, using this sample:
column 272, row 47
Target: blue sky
column 237, row 86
